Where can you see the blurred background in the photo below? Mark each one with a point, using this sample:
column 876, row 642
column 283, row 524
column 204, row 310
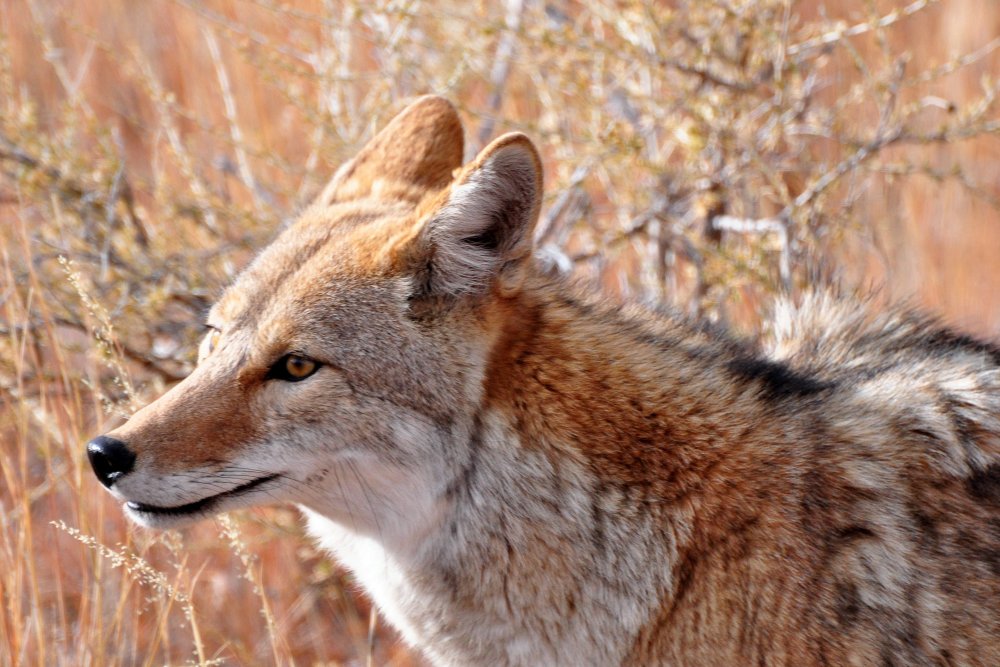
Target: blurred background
column 705, row 155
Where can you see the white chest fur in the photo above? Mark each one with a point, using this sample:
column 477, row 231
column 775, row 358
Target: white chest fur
column 510, row 573
column 379, row 573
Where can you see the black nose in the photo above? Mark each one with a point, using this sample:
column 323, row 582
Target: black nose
column 109, row 458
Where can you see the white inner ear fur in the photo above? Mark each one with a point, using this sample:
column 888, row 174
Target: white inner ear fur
column 485, row 227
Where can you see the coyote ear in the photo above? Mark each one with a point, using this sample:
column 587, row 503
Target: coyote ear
column 418, row 150
column 482, row 231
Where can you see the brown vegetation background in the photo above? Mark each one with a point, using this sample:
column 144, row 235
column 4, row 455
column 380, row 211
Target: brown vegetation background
column 705, row 155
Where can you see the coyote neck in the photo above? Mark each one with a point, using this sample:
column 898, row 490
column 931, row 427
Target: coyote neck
column 535, row 562
column 575, row 491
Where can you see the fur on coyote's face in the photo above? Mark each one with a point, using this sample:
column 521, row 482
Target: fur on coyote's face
column 522, row 474
column 335, row 362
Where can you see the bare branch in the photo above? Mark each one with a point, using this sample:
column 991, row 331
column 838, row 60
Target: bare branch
column 229, row 104
column 843, row 32
column 501, row 68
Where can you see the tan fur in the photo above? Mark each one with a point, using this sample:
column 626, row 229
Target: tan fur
column 521, row 473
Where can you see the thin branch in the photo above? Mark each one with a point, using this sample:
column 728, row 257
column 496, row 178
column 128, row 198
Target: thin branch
column 86, row 200
column 229, row 107
column 161, row 100
column 501, row 68
column 840, row 33
column 777, row 226
column 546, row 226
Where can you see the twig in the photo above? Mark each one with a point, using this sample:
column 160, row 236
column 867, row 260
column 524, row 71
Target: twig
column 163, row 108
column 848, row 164
column 53, row 56
column 129, row 353
column 955, row 63
column 501, row 68
column 252, row 35
column 838, row 34
column 777, row 226
column 86, row 200
column 638, row 225
column 229, row 107
column 546, row 226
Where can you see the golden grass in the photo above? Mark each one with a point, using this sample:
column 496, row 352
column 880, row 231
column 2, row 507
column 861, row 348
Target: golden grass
column 702, row 154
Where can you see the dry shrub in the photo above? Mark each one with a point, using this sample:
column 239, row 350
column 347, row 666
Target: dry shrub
column 704, row 154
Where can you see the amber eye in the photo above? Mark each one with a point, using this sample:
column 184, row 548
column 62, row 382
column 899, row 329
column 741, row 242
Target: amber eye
column 292, row 368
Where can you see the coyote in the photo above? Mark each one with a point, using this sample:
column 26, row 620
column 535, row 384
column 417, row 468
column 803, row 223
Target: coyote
column 520, row 473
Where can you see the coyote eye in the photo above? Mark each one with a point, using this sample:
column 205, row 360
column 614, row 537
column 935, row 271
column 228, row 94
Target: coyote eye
column 209, row 343
column 292, row 368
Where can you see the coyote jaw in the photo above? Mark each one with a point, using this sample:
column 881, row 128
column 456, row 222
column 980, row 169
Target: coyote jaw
column 160, row 516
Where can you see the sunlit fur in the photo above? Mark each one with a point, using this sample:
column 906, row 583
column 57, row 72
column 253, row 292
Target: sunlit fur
column 521, row 473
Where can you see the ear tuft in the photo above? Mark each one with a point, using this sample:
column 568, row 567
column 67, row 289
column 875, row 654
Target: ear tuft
column 482, row 234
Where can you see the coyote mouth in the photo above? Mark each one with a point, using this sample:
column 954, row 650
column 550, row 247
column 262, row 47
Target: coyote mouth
column 204, row 504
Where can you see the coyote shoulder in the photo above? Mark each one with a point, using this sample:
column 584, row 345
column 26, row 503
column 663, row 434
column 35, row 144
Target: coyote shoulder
column 519, row 473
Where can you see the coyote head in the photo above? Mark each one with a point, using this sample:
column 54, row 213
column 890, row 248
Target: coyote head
column 340, row 369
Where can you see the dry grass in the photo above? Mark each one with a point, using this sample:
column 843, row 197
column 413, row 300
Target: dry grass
column 704, row 154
